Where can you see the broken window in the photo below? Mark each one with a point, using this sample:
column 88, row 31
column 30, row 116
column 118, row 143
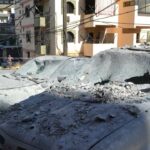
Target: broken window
column 100, row 37
column 89, row 38
column 27, row 11
column 70, row 8
column 39, row 10
column 89, row 6
column 109, row 38
column 28, row 36
column 28, row 54
column 70, row 37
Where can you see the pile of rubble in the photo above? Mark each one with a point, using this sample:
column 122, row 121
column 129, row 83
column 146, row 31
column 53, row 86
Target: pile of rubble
column 112, row 92
column 79, row 103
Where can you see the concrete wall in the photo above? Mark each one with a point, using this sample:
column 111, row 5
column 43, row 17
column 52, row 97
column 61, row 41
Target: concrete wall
column 126, row 21
column 93, row 49
column 74, row 48
column 130, row 24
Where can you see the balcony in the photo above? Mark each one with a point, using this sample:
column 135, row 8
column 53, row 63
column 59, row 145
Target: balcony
column 91, row 20
column 39, row 22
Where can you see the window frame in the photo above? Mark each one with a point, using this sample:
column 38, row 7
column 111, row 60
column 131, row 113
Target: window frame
column 70, row 8
column 70, row 37
column 27, row 11
column 28, row 36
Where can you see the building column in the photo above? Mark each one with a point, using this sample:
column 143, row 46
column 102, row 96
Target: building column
column 52, row 30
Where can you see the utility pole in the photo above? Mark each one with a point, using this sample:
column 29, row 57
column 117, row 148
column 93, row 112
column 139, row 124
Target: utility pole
column 65, row 47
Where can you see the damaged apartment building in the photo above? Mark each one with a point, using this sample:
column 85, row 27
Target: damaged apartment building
column 92, row 25
column 7, row 29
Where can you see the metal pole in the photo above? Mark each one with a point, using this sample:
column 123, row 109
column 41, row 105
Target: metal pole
column 65, row 48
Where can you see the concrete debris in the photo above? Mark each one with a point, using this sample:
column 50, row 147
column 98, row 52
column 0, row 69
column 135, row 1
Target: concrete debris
column 114, row 92
column 72, row 103
column 101, row 118
column 133, row 110
column 60, row 79
column 27, row 119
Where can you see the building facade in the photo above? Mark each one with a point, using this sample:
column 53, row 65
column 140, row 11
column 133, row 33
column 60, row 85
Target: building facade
column 7, row 23
column 92, row 25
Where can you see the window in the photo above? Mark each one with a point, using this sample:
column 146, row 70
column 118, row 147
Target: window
column 70, row 8
column 39, row 10
column 27, row 11
column 70, row 37
column 144, row 7
column 129, row 3
column 28, row 54
column 138, row 38
column 89, row 6
column 28, row 36
column 89, row 38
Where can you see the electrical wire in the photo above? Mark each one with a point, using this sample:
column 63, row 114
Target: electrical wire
column 82, row 23
column 97, row 20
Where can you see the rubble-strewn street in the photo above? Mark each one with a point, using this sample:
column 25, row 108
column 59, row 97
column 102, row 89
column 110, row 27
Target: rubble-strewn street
column 74, row 74
column 62, row 103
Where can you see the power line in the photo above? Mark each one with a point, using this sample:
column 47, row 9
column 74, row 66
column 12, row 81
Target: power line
column 79, row 21
column 82, row 23
column 97, row 19
column 74, row 21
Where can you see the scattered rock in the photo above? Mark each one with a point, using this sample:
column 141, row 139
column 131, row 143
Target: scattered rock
column 60, row 79
column 100, row 118
column 132, row 110
column 112, row 116
column 27, row 119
